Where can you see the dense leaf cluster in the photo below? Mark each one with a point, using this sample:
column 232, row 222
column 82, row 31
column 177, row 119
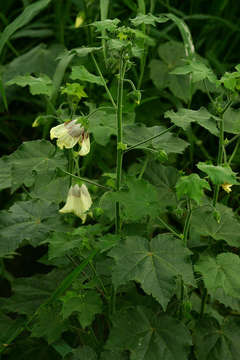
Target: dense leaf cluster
column 153, row 273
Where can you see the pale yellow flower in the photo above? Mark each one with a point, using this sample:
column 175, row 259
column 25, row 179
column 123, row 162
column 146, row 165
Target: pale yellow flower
column 78, row 202
column 227, row 187
column 85, row 144
column 69, row 134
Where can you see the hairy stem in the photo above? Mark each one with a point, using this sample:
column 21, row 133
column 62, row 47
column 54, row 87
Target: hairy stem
column 122, row 69
column 104, row 82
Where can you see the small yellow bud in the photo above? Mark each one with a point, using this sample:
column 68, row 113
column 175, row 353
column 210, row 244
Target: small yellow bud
column 79, row 20
column 227, row 187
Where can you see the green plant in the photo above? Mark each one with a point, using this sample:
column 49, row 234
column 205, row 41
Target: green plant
column 142, row 259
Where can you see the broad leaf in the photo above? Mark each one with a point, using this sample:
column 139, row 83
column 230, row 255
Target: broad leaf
column 86, row 305
column 5, row 174
column 168, row 142
column 102, row 125
column 49, row 324
column 231, row 120
column 155, row 265
column 41, row 85
column 220, row 273
column 198, row 69
column 38, row 156
column 225, row 227
column 217, row 342
column 51, row 188
column 184, row 117
column 31, row 292
column 149, row 336
column 113, row 355
column 82, row 74
column 192, row 186
column 218, row 174
column 84, row 353
column 26, row 220
column 61, row 244
column 140, row 200
column 229, row 301
column 164, row 178
column 8, row 327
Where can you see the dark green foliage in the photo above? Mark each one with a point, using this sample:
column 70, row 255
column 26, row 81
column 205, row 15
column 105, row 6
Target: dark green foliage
column 142, row 262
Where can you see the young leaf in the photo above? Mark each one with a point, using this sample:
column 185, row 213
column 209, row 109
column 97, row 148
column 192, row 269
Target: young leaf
column 148, row 19
column 220, row 273
column 154, row 265
column 109, row 25
column 218, row 174
column 41, row 85
column 191, row 186
column 217, row 342
column 82, row 74
column 149, row 336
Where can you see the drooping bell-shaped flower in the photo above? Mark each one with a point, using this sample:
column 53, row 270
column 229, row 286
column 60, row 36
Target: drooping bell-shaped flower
column 69, row 134
column 78, row 202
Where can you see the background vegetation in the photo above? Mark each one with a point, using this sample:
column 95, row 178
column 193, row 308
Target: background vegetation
column 158, row 278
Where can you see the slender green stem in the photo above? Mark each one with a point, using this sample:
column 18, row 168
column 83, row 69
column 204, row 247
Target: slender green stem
column 181, row 300
column 169, row 228
column 234, row 152
column 203, row 302
column 144, row 167
column 152, row 6
column 123, row 65
column 232, row 140
column 104, row 82
column 86, row 180
column 187, row 222
column 98, row 109
column 149, row 139
column 185, row 239
column 219, row 159
column 220, row 150
column 141, row 6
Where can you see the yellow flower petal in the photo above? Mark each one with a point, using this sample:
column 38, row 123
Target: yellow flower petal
column 85, row 148
column 68, row 134
column 78, row 202
column 227, row 187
